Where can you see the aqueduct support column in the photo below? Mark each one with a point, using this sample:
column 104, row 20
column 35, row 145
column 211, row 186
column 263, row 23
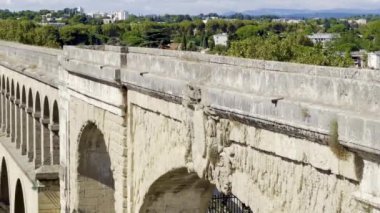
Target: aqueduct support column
column 23, row 125
column 37, row 139
column 18, row 124
column 13, row 118
column 8, row 115
column 46, row 146
column 30, row 133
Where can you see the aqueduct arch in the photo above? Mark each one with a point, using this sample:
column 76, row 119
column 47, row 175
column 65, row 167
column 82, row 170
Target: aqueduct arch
column 19, row 198
column 12, row 111
column 37, row 126
column 94, row 172
column 30, row 126
column 55, row 130
column 18, row 117
column 24, row 122
column 46, row 133
column 4, row 185
column 178, row 191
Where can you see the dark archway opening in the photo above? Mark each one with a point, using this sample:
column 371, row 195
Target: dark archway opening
column 18, row 118
column 95, row 178
column 178, row 191
column 8, row 113
column 12, row 111
column 24, row 122
column 38, row 128
column 30, row 125
column 55, row 129
column 19, row 199
column 46, row 133
column 3, row 105
column 4, row 187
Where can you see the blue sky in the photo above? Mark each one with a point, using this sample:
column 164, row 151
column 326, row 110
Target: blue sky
column 187, row 6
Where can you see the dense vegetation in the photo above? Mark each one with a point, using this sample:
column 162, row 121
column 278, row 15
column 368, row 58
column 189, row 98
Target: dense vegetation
column 248, row 37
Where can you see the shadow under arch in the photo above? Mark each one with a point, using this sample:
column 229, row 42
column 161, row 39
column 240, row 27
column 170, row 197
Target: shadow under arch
column 4, row 186
column 95, row 177
column 19, row 198
column 37, row 131
column 47, row 159
column 178, row 191
column 55, row 133
column 30, row 126
column 18, row 117
column 24, row 123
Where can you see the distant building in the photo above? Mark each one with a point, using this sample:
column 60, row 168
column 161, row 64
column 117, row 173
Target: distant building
column 374, row 60
column 80, row 10
column 121, row 15
column 295, row 21
column 98, row 15
column 288, row 21
column 358, row 58
column 361, row 21
column 55, row 24
column 108, row 21
column 209, row 18
column 322, row 38
column 221, row 39
column 358, row 21
column 49, row 20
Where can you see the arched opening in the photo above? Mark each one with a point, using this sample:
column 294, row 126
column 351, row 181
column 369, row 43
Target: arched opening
column 3, row 105
column 8, row 113
column 46, row 133
column 178, row 191
column 24, row 122
column 1, row 101
column 13, row 111
column 95, row 178
column 37, row 132
column 30, row 125
column 18, row 117
column 55, row 129
column 4, row 187
column 19, row 198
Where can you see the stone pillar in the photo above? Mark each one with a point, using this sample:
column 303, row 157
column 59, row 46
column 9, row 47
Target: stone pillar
column 54, row 143
column 17, row 124
column 37, row 139
column 23, row 134
column 12, row 118
column 8, row 114
column 30, row 133
column 3, row 111
column 369, row 193
column 46, row 142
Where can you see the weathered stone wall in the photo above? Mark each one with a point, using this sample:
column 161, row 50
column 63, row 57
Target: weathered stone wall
column 268, row 171
column 157, row 143
column 112, row 128
column 281, row 137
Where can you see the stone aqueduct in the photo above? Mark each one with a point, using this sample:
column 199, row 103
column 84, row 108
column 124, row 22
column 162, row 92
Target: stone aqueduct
column 111, row 129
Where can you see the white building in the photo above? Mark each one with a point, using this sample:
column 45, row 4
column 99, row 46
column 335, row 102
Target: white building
column 221, row 39
column 80, row 10
column 361, row 21
column 322, row 38
column 121, row 15
column 108, row 21
column 374, row 60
